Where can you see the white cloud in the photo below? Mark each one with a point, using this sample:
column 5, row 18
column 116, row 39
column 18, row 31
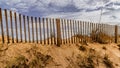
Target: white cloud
column 52, row 8
column 14, row 9
column 12, row 2
column 61, row 3
column 80, row 4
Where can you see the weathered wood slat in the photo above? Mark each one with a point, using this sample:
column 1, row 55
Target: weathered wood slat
column 44, row 30
column 71, row 39
column 54, row 31
column 40, row 35
column 2, row 29
column 11, row 23
column 32, row 30
column 51, row 31
column 36, row 29
column 16, row 27
column 24, row 20
column 21, row 39
column 58, row 32
column 28, row 28
column 48, row 42
column 6, row 20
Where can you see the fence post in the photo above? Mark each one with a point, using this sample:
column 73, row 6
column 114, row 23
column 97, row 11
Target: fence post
column 28, row 27
column 1, row 25
column 20, row 21
column 6, row 20
column 32, row 30
column 24, row 22
column 116, row 34
column 36, row 29
column 16, row 27
column 58, row 32
column 11, row 21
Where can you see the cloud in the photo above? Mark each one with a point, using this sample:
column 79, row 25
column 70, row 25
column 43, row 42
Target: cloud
column 77, row 9
column 54, row 5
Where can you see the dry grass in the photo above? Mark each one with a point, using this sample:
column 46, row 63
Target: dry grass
column 37, row 60
column 104, row 48
column 118, row 46
column 18, row 62
column 82, row 48
column 24, row 55
column 107, row 62
column 100, row 37
column 87, row 60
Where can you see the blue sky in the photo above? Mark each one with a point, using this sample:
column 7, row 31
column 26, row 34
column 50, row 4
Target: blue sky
column 87, row 10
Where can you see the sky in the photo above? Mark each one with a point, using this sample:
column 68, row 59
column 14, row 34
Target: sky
column 85, row 10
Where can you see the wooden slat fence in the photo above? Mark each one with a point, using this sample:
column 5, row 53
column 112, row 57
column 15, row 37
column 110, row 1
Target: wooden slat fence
column 18, row 28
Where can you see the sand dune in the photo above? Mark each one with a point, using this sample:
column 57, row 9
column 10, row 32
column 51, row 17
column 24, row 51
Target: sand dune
column 65, row 56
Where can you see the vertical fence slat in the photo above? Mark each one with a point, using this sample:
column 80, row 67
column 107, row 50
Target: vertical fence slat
column 58, row 32
column 68, row 30
column 83, row 32
column 32, row 30
column 55, row 42
column 104, row 29
column 15, row 16
column 75, row 32
column 51, row 39
column 47, row 28
column 62, row 31
column 109, row 33
column 75, row 28
column 24, row 18
column 116, row 34
column 87, row 31
column 20, row 28
column 7, row 31
column 65, row 30
column 40, row 35
column 36, row 29
column 96, row 32
column 80, row 31
column 11, row 21
column 90, row 32
column 71, row 31
column 53, row 31
column 44, row 30
column 1, row 23
column 28, row 28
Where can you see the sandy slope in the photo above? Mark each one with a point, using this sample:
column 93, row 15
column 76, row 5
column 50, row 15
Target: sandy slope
column 63, row 57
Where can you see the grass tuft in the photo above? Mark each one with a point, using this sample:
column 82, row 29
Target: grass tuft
column 37, row 60
column 100, row 37
column 82, row 48
column 107, row 62
column 104, row 48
